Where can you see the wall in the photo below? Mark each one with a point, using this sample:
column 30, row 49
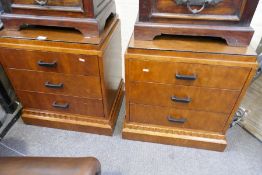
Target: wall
column 257, row 25
column 128, row 12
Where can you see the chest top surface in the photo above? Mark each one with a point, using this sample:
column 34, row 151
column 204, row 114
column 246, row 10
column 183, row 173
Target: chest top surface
column 190, row 44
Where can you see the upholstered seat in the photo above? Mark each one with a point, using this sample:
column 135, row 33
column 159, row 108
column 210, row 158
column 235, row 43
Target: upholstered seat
column 49, row 166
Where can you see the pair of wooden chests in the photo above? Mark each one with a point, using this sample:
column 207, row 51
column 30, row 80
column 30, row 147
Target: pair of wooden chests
column 179, row 90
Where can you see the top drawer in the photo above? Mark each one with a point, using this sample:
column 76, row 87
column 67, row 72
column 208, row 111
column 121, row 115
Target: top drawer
column 50, row 61
column 188, row 74
column 66, row 3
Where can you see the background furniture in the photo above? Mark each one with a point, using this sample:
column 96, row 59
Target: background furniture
column 88, row 16
column 228, row 19
column 185, row 91
column 71, row 82
column 252, row 120
column 10, row 109
column 49, row 166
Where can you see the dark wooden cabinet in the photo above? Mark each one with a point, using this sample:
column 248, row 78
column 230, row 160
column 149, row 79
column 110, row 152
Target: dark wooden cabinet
column 228, row 19
column 185, row 91
column 87, row 16
column 67, row 81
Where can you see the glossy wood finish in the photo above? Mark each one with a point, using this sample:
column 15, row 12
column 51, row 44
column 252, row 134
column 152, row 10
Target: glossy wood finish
column 179, row 137
column 205, row 99
column 73, row 85
column 81, row 106
column 211, row 49
column 84, row 15
column 216, row 78
column 90, row 97
column 151, row 71
column 29, row 60
column 226, row 9
column 67, row 39
column 229, row 19
column 76, row 122
column 63, row 3
column 197, row 120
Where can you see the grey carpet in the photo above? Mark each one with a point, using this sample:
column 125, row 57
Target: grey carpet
column 243, row 155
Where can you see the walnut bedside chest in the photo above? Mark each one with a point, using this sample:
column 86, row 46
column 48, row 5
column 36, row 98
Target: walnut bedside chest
column 185, row 91
column 65, row 80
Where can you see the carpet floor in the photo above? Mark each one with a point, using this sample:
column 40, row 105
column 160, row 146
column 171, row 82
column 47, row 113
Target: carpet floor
column 243, row 155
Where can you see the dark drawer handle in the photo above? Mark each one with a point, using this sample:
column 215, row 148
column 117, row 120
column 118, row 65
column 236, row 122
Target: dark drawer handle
column 186, row 77
column 45, row 64
column 175, row 120
column 181, row 100
column 61, row 106
column 55, row 86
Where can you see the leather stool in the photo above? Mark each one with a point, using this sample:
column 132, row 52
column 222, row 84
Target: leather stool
column 49, row 166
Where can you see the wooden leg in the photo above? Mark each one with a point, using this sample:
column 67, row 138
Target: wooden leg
column 235, row 40
column 88, row 32
column 149, row 36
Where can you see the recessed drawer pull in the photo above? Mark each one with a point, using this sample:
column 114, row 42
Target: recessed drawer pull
column 175, row 120
column 181, row 100
column 45, row 64
column 186, row 77
column 61, row 106
column 55, row 86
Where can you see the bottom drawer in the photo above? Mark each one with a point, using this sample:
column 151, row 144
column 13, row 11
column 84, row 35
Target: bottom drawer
column 58, row 103
column 171, row 117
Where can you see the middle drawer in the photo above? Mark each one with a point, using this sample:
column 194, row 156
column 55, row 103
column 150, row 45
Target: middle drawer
column 184, row 97
column 54, row 83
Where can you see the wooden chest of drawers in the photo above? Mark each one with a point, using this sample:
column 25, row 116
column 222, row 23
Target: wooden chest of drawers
column 228, row 19
column 87, row 16
column 180, row 92
column 75, row 84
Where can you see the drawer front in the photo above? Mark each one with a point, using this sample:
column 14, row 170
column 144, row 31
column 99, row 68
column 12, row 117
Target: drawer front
column 50, row 62
column 58, row 103
column 171, row 117
column 65, row 3
column 80, row 86
column 183, row 97
column 188, row 74
column 226, row 10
